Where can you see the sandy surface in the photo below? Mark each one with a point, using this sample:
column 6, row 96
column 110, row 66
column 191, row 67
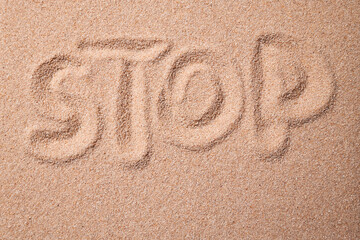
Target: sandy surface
column 175, row 119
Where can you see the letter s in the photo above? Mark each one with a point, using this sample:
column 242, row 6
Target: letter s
column 72, row 123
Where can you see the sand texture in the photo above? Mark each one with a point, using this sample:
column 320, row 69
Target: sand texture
column 179, row 119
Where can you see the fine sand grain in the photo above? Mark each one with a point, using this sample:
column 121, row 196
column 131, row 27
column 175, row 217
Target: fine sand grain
column 179, row 119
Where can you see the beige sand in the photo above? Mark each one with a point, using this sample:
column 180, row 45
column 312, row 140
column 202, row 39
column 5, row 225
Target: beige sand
column 176, row 119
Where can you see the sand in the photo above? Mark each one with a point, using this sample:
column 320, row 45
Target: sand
column 179, row 120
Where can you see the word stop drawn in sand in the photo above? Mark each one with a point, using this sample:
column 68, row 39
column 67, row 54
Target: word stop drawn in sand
column 291, row 85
